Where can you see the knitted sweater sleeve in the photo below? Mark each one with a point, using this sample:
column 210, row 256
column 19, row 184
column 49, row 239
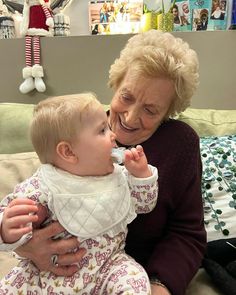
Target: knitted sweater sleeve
column 178, row 254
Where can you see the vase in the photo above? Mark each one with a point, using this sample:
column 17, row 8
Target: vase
column 149, row 21
column 165, row 22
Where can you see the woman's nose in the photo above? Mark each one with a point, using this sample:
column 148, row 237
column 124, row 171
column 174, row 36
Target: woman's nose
column 132, row 116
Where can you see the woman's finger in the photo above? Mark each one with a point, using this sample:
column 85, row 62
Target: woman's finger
column 49, row 231
column 64, row 246
column 65, row 271
column 71, row 258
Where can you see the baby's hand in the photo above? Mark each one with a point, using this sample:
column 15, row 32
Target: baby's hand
column 17, row 219
column 136, row 162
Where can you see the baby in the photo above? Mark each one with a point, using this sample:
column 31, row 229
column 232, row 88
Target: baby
column 93, row 198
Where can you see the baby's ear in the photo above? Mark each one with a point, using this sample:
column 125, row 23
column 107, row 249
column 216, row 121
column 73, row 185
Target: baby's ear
column 65, row 152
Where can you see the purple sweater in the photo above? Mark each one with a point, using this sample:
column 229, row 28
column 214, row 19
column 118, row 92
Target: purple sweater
column 170, row 241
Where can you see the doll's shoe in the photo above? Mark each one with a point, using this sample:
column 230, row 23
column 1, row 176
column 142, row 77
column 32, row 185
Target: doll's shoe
column 37, row 72
column 39, row 84
column 28, row 84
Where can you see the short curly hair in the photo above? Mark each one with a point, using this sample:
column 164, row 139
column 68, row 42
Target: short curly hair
column 157, row 54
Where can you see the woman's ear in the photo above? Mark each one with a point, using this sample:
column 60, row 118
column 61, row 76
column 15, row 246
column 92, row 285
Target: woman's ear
column 65, row 152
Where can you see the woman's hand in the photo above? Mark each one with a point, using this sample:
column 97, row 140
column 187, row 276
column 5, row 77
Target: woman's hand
column 159, row 290
column 41, row 247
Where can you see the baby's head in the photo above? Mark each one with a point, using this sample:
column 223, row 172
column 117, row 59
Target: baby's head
column 72, row 131
column 57, row 119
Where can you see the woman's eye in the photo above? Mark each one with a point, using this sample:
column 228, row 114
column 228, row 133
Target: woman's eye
column 125, row 97
column 150, row 112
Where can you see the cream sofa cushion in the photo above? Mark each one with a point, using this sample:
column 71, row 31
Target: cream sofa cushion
column 15, row 168
column 14, row 127
column 210, row 122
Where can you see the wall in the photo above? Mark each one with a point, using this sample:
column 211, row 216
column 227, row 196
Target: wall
column 81, row 63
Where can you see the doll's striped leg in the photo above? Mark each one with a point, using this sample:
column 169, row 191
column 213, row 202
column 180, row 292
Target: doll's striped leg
column 125, row 277
column 28, row 51
column 36, row 50
column 37, row 69
column 28, row 84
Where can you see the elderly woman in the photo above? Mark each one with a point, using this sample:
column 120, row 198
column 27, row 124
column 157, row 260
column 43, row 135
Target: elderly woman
column 153, row 80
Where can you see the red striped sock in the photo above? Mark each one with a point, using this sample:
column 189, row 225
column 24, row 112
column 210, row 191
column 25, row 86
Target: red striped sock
column 28, row 51
column 36, row 49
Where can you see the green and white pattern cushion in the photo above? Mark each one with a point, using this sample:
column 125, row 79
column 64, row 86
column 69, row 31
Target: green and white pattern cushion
column 219, row 186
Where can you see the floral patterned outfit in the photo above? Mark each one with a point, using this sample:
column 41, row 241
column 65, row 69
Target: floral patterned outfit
column 99, row 218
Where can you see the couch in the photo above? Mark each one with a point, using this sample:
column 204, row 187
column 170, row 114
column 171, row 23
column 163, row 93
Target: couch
column 215, row 128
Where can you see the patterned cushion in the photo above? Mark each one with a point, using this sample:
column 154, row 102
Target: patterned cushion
column 219, row 185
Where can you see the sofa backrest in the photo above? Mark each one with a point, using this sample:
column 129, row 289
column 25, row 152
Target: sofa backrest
column 15, row 120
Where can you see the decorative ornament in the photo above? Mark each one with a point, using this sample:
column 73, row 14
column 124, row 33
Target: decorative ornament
column 37, row 22
column 165, row 20
column 61, row 24
column 7, row 26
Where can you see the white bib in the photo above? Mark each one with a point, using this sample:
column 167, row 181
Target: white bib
column 88, row 206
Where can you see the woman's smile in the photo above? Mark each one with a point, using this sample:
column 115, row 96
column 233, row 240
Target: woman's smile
column 125, row 127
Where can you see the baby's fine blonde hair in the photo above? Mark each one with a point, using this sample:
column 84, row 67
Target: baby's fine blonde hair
column 160, row 55
column 57, row 119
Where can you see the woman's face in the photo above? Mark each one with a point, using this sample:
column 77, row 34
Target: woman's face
column 139, row 106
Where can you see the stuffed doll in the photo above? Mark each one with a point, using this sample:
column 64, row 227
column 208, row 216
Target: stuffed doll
column 37, row 22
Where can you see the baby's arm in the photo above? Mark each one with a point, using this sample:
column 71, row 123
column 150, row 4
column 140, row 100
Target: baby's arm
column 142, row 180
column 17, row 219
column 136, row 162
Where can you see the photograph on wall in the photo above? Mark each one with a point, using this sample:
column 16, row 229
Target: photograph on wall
column 182, row 15
column 200, row 11
column 233, row 16
column 218, row 17
column 115, row 17
column 214, row 10
column 218, row 10
column 200, row 19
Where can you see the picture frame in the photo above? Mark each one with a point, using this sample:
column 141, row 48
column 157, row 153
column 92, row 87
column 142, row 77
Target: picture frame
column 115, row 17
